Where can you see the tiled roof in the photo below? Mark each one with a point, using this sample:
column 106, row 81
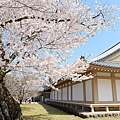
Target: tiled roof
column 100, row 59
column 107, row 64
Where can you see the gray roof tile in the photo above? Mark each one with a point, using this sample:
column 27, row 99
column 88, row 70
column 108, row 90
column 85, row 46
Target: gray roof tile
column 107, row 64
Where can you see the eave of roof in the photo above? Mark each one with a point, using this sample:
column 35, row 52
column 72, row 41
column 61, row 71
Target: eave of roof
column 107, row 64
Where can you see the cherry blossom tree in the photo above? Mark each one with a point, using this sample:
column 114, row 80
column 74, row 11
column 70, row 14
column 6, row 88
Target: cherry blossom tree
column 21, row 86
column 37, row 36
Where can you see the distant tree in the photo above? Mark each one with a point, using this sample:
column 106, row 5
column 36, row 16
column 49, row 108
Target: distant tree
column 21, row 86
column 37, row 35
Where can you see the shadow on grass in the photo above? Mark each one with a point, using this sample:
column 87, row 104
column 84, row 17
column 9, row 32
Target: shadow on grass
column 52, row 110
column 26, row 108
column 37, row 117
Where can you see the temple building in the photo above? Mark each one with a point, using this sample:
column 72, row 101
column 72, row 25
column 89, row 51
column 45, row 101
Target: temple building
column 97, row 96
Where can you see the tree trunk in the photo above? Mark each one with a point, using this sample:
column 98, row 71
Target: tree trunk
column 20, row 101
column 9, row 108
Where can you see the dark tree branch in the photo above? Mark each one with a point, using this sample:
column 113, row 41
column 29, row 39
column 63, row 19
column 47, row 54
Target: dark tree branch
column 47, row 20
column 13, row 56
column 97, row 14
column 7, row 71
column 22, row 18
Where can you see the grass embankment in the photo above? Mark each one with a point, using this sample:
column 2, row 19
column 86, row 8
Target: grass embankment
column 46, row 112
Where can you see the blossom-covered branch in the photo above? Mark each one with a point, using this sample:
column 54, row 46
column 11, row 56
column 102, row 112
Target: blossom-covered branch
column 37, row 36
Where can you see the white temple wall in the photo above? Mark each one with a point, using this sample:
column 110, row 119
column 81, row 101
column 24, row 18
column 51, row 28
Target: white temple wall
column 69, row 92
column 59, row 94
column 46, row 99
column 88, row 88
column 52, row 95
column 65, row 93
column 77, row 92
column 118, row 89
column 55, row 95
column 104, row 90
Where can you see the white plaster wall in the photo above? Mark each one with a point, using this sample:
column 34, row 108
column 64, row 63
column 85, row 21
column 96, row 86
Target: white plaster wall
column 104, row 90
column 46, row 99
column 55, row 95
column 59, row 94
column 69, row 92
column 77, row 92
column 65, row 93
column 88, row 87
column 118, row 89
column 52, row 95
column 42, row 98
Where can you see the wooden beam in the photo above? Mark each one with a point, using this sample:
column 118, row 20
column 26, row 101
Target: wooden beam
column 114, row 94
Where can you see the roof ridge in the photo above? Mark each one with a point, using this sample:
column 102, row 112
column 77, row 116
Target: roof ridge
column 109, row 48
column 107, row 53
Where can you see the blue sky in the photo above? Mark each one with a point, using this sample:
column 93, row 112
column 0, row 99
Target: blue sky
column 102, row 41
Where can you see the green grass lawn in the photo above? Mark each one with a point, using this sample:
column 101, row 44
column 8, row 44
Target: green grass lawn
column 46, row 112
